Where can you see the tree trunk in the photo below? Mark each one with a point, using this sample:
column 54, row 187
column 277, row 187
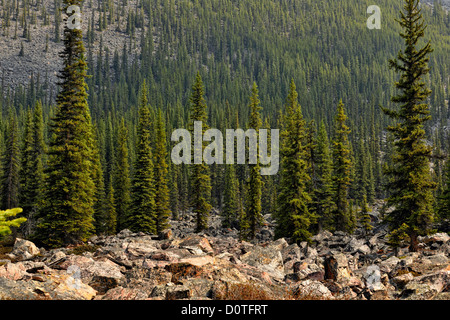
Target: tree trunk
column 414, row 243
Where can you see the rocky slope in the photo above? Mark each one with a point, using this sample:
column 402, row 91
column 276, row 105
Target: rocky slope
column 215, row 265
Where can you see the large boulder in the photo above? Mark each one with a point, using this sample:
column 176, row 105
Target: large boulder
column 268, row 259
column 311, row 290
column 336, row 267
column 102, row 274
column 13, row 271
column 23, row 250
column 197, row 245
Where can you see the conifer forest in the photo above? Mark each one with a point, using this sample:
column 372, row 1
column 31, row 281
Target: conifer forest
column 93, row 116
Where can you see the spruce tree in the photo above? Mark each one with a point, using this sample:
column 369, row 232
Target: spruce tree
column 230, row 212
column 254, row 192
column 200, row 176
column 11, row 166
column 142, row 215
column 322, row 197
column 293, row 217
column 162, row 202
column 365, row 217
column 66, row 216
column 410, row 184
column 121, row 176
column 31, row 174
column 342, row 166
column 444, row 200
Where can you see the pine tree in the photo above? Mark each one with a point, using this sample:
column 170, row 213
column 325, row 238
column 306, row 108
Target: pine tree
column 121, row 176
column 110, row 211
column 200, row 177
column 142, row 215
column 6, row 222
column 341, row 171
column 67, row 210
column 32, row 171
column 365, row 217
column 230, row 212
column 162, row 202
column 253, row 208
column 410, row 183
column 444, row 200
column 11, row 166
column 293, row 216
column 322, row 198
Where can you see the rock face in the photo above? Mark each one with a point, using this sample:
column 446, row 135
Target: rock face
column 215, row 265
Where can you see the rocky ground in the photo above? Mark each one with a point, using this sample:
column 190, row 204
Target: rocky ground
column 215, row 265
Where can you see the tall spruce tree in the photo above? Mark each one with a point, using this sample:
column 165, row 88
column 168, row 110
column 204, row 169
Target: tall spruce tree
column 410, row 184
column 322, row 198
column 162, row 202
column 142, row 215
column 342, row 166
column 32, row 170
column 11, row 165
column 121, row 176
column 200, row 176
column 255, row 183
column 293, row 216
column 67, row 211
column 444, row 200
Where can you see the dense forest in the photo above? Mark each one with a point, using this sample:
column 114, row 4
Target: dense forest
column 309, row 68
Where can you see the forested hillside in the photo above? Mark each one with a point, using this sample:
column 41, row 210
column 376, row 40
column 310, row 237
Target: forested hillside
column 143, row 57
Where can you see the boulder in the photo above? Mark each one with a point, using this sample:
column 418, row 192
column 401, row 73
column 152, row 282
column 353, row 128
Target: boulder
column 55, row 287
column 23, row 250
column 440, row 238
column 13, row 271
column 178, row 293
column 311, row 290
column 102, row 274
column 121, row 293
column 267, row 259
column 402, row 280
column 197, row 245
column 336, row 267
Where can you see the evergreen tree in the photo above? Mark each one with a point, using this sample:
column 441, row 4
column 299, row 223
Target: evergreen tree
column 341, row 171
column 365, row 217
column 110, row 211
column 444, row 200
column 322, row 198
column 67, row 211
column 121, row 176
column 230, row 211
column 293, row 216
column 142, row 215
column 162, row 202
column 6, row 222
column 11, row 166
column 253, row 208
column 200, row 177
column 31, row 174
column 410, row 183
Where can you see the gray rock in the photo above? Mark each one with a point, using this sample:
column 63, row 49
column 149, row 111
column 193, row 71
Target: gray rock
column 267, row 259
column 311, row 289
column 24, row 250
column 336, row 267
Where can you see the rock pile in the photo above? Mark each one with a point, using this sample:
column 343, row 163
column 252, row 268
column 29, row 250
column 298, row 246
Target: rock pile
column 216, row 265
